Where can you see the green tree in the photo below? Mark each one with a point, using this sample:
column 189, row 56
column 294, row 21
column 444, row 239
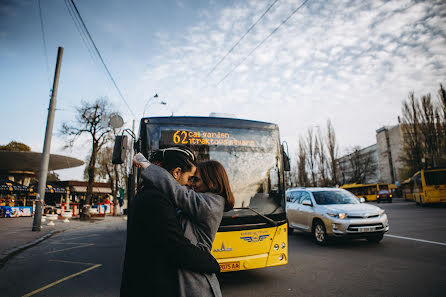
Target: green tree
column 15, row 146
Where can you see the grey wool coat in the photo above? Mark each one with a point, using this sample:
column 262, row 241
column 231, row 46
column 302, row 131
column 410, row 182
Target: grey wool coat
column 200, row 217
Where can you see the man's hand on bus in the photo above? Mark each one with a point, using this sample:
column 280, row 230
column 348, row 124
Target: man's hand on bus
column 140, row 161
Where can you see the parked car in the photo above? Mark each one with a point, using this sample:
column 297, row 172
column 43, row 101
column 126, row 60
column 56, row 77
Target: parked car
column 334, row 212
column 384, row 195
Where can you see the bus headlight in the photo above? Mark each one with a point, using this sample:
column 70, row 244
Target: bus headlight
column 276, row 247
column 282, row 245
column 280, row 257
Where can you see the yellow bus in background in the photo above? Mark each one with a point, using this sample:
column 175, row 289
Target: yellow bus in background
column 426, row 186
column 371, row 192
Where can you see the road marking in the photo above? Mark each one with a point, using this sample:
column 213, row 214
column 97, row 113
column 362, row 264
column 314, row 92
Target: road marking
column 69, row 239
column 62, row 280
column 56, row 242
column 415, row 239
column 74, row 247
column 72, row 262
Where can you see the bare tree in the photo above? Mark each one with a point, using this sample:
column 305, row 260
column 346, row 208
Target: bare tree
column 321, row 158
column 441, row 122
column 412, row 141
column 428, row 127
column 361, row 164
column 302, row 176
column 424, row 128
column 91, row 119
column 311, row 156
column 332, row 148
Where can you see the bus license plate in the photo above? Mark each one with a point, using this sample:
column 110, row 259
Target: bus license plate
column 366, row 229
column 229, row 266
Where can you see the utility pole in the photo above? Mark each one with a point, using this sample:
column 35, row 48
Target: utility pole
column 40, row 197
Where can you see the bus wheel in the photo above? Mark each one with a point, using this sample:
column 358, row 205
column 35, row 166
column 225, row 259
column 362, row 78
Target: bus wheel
column 319, row 233
column 375, row 238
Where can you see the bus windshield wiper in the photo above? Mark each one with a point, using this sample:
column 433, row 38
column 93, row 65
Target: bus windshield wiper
column 259, row 214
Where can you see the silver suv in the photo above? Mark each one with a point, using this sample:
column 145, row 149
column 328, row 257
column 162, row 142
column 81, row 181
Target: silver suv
column 334, row 212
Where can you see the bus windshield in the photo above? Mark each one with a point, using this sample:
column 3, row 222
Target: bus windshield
column 250, row 156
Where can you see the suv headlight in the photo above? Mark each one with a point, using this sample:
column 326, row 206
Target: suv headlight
column 340, row 215
column 381, row 212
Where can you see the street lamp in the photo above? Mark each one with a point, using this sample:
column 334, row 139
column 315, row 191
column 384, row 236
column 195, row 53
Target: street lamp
column 150, row 101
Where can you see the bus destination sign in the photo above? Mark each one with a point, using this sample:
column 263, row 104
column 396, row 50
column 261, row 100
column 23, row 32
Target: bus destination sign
column 219, row 138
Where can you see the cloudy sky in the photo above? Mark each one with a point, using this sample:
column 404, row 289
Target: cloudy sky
column 352, row 62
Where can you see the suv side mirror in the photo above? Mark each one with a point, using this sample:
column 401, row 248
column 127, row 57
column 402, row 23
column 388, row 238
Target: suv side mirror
column 307, row 203
column 362, row 200
column 120, row 149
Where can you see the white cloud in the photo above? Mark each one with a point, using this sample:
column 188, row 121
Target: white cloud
column 350, row 61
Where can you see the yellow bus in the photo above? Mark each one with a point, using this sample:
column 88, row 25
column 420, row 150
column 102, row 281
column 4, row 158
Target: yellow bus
column 426, row 186
column 254, row 234
column 371, row 192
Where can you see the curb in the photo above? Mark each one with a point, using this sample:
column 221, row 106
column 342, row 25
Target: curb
column 10, row 253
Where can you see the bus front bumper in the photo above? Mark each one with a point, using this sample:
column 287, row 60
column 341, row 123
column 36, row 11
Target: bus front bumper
column 252, row 262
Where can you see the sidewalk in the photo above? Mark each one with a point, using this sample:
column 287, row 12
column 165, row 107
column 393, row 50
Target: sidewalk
column 17, row 233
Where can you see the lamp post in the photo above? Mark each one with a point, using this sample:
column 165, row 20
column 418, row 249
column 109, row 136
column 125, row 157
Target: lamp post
column 150, row 100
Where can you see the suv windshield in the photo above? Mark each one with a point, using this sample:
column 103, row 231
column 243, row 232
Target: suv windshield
column 334, row 197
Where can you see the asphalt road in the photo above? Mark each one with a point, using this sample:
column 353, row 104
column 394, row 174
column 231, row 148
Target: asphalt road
column 410, row 261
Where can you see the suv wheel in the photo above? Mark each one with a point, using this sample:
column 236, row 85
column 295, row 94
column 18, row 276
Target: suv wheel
column 375, row 238
column 319, row 233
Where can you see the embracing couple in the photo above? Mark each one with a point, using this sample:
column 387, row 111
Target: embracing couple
column 171, row 227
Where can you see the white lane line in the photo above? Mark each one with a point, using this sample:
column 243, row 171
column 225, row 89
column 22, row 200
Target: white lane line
column 415, row 239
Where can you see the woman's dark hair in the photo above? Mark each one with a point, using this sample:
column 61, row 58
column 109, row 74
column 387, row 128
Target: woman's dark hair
column 173, row 157
column 214, row 176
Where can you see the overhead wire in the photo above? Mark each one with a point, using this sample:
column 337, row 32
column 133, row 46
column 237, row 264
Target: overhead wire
column 241, row 38
column 96, row 50
column 262, row 42
column 81, row 32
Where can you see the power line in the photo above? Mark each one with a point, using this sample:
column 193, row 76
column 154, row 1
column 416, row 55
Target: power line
column 263, row 41
column 82, row 33
column 241, row 38
column 44, row 44
column 100, row 57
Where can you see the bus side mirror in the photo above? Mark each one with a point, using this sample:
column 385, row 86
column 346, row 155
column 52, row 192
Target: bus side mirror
column 120, row 149
column 286, row 162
